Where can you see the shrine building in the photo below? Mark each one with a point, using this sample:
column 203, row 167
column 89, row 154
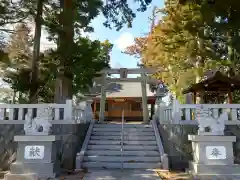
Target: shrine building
column 125, row 96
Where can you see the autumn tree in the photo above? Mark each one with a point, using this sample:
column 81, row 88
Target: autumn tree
column 184, row 44
column 19, row 59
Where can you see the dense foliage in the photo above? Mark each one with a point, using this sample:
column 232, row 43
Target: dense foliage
column 88, row 58
column 191, row 39
column 69, row 69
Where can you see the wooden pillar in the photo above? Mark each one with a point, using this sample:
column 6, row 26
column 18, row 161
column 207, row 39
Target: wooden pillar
column 130, row 106
column 194, row 98
column 144, row 99
column 103, row 98
column 200, row 97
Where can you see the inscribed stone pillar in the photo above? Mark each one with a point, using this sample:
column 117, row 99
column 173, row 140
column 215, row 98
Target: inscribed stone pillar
column 144, row 99
column 36, row 156
column 213, row 157
column 103, row 98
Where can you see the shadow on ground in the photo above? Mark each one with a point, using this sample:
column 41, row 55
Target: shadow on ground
column 121, row 175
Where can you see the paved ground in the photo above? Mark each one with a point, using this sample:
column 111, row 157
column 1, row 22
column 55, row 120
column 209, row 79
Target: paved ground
column 121, row 175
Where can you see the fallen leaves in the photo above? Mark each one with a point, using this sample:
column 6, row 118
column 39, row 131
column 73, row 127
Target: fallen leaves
column 173, row 175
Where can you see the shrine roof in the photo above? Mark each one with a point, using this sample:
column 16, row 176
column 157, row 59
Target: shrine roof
column 217, row 82
column 123, row 89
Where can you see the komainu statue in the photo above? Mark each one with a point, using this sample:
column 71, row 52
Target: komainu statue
column 39, row 125
column 209, row 125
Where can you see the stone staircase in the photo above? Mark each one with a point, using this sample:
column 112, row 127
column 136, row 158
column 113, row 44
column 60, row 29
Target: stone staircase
column 104, row 147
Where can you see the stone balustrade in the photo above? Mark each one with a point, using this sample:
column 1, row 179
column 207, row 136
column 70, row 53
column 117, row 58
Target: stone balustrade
column 186, row 113
column 62, row 113
column 69, row 122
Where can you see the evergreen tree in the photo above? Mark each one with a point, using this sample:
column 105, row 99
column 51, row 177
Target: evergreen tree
column 88, row 58
column 65, row 20
column 63, row 24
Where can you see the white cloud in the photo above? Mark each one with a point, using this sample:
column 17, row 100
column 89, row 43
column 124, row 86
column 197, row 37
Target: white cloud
column 126, row 39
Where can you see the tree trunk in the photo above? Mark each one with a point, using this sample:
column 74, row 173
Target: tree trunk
column 33, row 97
column 14, row 97
column 63, row 86
column 231, row 54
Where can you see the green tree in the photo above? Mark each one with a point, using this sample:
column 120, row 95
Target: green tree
column 223, row 15
column 88, row 58
column 65, row 19
column 64, row 25
column 11, row 13
column 33, row 94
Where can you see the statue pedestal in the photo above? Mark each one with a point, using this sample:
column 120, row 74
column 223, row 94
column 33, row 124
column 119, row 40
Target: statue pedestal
column 213, row 157
column 36, row 156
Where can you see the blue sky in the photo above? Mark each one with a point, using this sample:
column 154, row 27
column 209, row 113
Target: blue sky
column 121, row 39
column 125, row 36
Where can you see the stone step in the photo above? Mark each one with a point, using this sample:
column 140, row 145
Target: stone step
column 103, row 133
column 124, row 129
column 136, row 138
column 112, row 165
column 126, row 147
column 128, row 159
column 125, row 153
column 126, row 142
column 120, row 125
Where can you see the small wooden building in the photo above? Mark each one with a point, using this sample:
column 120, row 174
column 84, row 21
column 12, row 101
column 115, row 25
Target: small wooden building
column 214, row 87
column 125, row 96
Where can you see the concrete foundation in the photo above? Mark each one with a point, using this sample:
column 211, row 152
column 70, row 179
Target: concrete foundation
column 30, row 176
column 35, row 155
column 213, row 156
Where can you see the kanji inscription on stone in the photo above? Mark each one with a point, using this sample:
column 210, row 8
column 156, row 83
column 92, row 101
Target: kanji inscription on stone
column 216, row 152
column 34, row 152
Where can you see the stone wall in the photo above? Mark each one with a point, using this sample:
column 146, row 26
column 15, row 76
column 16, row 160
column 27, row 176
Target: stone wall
column 71, row 142
column 179, row 149
column 7, row 146
column 234, row 130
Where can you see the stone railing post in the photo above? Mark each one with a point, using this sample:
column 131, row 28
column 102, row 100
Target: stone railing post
column 89, row 111
column 176, row 112
column 161, row 112
column 213, row 156
column 37, row 149
column 68, row 110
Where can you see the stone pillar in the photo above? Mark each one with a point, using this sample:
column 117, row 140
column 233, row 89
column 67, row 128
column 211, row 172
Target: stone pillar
column 212, row 151
column 36, row 158
column 159, row 104
column 213, row 157
column 103, row 99
column 144, row 99
column 89, row 111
